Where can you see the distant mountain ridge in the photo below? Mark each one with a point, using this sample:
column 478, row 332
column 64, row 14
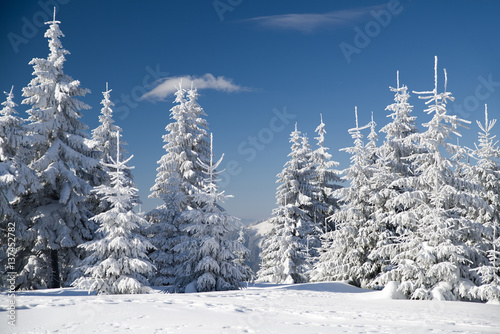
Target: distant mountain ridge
column 254, row 236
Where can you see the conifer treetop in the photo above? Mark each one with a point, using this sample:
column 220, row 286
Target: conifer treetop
column 356, row 132
column 488, row 148
column 373, row 133
column 56, row 50
column 437, row 105
column 9, row 104
column 321, row 132
column 403, row 124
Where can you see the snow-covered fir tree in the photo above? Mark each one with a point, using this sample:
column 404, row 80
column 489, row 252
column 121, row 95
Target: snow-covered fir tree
column 15, row 177
column 392, row 163
column 13, row 171
column 487, row 174
column 209, row 254
column 435, row 250
column 344, row 250
column 312, row 201
column 117, row 262
column 178, row 178
column 286, row 255
column 56, row 215
column 242, row 257
column 104, row 147
column 326, row 179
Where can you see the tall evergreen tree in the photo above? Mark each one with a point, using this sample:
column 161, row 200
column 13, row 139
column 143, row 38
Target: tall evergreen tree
column 344, row 249
column 15, row 178
column 210, row 255
column 117, row 262
column 56, row 215
column 435, row 251
column 312, row 229
column 393, row 162
column 285, row 255
column 178, row 178
column 487, row 174
column 326, row 178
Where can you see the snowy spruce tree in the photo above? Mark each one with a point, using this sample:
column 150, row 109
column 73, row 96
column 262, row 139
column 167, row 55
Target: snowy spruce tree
column 487, row 174
column 344, row 250
column 313, row 202
column 393, row 162
column 286, row 257
column 326, row 179
column 435, row 252
column 15, row 177
column 242, row 257
column 117, row 262
column 104, row 147
column 178, row 179
column 210, row 256
column 56, row 214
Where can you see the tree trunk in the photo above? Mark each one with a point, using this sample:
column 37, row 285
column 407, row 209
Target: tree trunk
column 54, row 262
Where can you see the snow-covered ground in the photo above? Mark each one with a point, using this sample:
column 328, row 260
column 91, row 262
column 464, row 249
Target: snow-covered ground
column 300, row 308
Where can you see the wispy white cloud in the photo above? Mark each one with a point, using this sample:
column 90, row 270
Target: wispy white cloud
column 308, row 23
column 169, row 85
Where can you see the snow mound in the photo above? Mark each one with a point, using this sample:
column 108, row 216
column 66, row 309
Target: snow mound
column 494, row 302
column 391, row 291
column 191, row 288
column 337, row 287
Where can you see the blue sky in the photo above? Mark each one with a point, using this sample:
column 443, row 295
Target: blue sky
column 263, row 66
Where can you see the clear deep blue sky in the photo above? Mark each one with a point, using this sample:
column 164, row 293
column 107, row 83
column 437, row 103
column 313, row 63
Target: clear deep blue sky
column 271, row 55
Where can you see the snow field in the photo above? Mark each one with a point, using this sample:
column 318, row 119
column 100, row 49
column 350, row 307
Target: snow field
column 263, row 308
